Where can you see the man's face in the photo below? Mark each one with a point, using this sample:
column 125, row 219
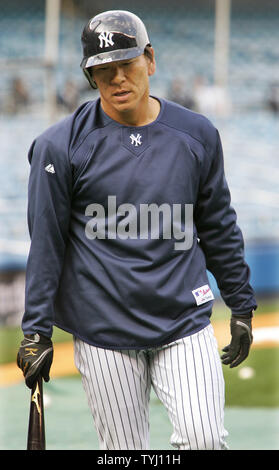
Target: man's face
column 124, row 85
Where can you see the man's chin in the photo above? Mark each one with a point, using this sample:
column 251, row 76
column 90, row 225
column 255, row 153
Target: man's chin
column 124, row 108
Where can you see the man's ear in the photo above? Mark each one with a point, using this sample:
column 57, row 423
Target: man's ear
column 151, row 62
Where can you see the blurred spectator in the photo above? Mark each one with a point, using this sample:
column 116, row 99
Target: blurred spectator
column 273, row 98
column 12, row 287
column 18, row 98
column 179, row 95
column 210, row 99
column 69, row 98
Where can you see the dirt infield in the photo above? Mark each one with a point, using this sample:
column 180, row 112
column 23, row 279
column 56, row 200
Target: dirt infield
column 265, row 332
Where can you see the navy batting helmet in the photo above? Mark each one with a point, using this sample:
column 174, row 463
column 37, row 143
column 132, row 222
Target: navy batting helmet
column 111, row 36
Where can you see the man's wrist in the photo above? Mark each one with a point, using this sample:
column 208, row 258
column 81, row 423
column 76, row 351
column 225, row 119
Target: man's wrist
column 37, row 338
column 243, row 315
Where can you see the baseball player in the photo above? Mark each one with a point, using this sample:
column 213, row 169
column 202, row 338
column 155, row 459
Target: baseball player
column 128, row 208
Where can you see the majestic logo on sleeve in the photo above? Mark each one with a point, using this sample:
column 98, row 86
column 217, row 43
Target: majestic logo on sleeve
column 136, row 139
column 105, row 39
column 50, row 168
column 147, row 221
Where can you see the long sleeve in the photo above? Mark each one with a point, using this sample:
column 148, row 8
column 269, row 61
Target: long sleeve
column 220, row 237
column 49, row 209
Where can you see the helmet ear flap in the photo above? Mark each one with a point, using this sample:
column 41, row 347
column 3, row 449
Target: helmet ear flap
column 88, row 74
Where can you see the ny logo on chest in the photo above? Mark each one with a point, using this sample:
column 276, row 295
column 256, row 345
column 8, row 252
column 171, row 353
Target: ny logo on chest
column 136, row 139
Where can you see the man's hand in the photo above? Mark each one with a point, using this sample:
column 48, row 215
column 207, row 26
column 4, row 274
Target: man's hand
column 241, row 332
column 35, row 357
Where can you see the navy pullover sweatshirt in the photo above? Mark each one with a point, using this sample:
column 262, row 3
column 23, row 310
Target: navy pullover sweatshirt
column 124, row 224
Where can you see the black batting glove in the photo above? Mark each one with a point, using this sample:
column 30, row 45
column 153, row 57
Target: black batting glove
column 242, row 338
column 34, row 358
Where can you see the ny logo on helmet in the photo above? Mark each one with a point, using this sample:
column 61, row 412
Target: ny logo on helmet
column 136, row 139
column 105, row 39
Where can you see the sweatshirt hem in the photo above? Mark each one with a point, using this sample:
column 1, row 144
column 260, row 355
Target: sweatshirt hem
column 163, row 342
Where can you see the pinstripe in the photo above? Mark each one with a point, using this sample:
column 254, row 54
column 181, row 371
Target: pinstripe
column 101, row 396
column 186, row 395
column 131, row 396
column 116, row 398
column 168, row 404
column 161, row 385
column 174, row 389
column 142, row 390
column 205, row 391
column 162, row 379
column 99, row 422
column 190, row 398
column 86, row 382
column 88, row 385
column 186, row 376
column 213, row 393
column 138, row 401
column 216, row 383
column 198, row 392
column 220, row 383
column 109, row 399
column 147, row 388
column 107, row 382
column 132, row 409
column 175, row 394
column 219, row 386
column 183, row 393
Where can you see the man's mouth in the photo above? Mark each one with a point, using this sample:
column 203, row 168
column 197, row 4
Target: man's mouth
column 121, row 95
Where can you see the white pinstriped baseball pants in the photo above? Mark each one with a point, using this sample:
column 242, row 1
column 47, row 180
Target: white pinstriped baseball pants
column 187, row 377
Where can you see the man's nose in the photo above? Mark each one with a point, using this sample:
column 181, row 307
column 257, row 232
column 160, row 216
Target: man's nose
column 118, row 75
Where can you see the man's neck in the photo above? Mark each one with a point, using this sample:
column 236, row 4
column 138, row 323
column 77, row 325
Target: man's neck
column 138, row 117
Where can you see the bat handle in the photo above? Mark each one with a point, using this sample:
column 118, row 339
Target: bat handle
column 36, row 429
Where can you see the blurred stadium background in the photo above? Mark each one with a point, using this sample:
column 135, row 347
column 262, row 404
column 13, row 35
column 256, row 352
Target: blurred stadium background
column 218, row 57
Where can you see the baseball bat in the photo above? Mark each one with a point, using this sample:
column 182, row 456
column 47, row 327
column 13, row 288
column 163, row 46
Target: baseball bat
column 36, row 428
